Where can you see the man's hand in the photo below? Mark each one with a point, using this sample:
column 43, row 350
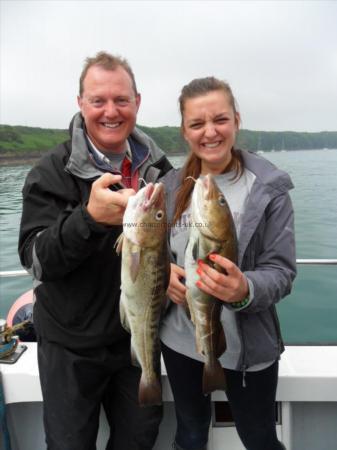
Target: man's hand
column 105, row 206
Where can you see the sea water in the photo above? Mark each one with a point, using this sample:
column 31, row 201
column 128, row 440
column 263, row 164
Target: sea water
column 309, row 314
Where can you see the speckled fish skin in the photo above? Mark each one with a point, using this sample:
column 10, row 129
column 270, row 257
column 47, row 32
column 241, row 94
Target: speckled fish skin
column 145, row 277
column 212, row 231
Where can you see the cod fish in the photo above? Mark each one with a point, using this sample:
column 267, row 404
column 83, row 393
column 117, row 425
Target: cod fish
column 145, row 277
column 212, row 231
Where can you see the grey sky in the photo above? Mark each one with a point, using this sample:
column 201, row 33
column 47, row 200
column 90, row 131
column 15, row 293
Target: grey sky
column 280, row 57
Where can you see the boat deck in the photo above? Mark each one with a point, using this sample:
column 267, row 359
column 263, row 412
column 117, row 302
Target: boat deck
column 306, row 396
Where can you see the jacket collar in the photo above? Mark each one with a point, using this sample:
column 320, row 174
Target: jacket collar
column 274, row 180
column 82, row 162
column 269, row 183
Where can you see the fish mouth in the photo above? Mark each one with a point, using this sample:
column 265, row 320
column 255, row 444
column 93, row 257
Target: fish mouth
column 148, row 192
column 152, row 194
column 207, row 186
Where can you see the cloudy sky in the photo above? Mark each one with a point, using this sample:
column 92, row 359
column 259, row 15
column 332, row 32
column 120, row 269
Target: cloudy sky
column 280, row 57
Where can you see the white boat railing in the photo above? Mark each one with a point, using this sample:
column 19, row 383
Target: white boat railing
column 13, row 273
column 23, row 273
column 317, row 261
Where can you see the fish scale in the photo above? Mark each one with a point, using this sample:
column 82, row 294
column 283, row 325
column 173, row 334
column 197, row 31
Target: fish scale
column 145, row 277
column 212, row 231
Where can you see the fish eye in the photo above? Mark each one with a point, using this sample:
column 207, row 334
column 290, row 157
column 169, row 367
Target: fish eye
column 222, row 200
column 159, row 215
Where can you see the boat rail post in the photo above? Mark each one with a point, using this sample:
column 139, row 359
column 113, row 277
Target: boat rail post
column 286, row 424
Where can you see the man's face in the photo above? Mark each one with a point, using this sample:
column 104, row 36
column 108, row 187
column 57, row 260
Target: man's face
column 109, row 106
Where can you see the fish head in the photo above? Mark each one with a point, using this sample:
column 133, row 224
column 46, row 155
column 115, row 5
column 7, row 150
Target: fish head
column 210, row 210
column 145, row 219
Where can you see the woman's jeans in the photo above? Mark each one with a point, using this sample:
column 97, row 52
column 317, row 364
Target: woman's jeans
column 252, row 406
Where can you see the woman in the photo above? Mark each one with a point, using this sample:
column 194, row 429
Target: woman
column 257, row 193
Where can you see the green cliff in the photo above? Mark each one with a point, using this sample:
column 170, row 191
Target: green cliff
column 25, row 142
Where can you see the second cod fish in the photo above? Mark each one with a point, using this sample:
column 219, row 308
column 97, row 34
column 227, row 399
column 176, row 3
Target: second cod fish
column 212, row 231
column 145, row 277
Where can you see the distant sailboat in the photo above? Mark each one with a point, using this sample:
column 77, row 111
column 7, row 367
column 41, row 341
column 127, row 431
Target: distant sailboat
column 259, row 151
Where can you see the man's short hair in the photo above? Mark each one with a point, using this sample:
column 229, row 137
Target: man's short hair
column 107, row 62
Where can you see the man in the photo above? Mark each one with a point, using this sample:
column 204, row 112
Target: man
column 73, row 205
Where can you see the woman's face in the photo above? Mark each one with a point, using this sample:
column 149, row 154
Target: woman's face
column 209, row 127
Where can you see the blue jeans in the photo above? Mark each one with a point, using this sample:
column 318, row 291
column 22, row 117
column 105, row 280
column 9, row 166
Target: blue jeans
column 253, row 406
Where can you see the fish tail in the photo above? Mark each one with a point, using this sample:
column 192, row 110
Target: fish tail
column 150, row 392
column 214, row 377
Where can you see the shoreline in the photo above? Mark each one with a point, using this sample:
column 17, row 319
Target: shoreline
column 29, row 159
column 32, row 158
column 16, row 160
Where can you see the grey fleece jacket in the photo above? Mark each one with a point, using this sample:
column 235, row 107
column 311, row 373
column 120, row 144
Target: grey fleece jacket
column 266, row 248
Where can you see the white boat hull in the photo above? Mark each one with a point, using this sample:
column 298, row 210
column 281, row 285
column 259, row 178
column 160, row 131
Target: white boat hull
column 306, row 396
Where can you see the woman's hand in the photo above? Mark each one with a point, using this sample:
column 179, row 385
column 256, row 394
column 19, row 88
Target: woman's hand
column 230, row 286
column 177, row 290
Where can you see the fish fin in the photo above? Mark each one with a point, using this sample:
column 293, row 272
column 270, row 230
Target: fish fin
column 195, row 250
column 221, row 344
column 167, row 270
column 123, row 316
column 198, row 346
column 214, row 377
column 134, row 262
column 134, row 359
column 150, row 393
column 188, row 312
column 165, row 304
column 119, row 243
column 188, row 306
column 198, row 341
column 213, row 249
